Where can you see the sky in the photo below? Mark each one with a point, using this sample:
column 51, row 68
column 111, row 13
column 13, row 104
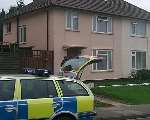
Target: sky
column 145, row 4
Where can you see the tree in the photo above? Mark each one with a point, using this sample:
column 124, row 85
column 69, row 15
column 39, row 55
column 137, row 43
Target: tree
column 20, row 3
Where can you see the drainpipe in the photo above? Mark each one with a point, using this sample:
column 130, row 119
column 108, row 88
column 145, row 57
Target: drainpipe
column 47, row 19
column 18, row 27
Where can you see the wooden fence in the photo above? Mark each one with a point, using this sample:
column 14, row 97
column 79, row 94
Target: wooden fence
column 38, row 59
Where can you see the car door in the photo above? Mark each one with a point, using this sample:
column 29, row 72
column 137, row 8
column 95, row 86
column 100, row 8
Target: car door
column 39, row 96
column 8, row 106
column 75, row 97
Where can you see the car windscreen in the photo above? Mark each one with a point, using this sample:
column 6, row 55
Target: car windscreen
column 7, row 88
column 34, row 89
column 71, row 88
column 75, row 63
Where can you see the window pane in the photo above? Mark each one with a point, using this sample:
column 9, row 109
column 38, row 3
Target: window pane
column 102, row 65
column 32, row 89
column 143, row 59
column 133, row 27
column 109, row 60
column 109, row 26
column 75, row 22
column 133, row 61
column 101, row 26
column 140, row 60
column 20, row 34
column 106, row 63
column 94, row 23
column 68, row 19
column 7, row 89
column 71, row 88
column 141, row 28
column 24, row 37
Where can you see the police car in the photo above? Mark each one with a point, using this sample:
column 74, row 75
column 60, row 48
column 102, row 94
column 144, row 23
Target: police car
column 26, row 97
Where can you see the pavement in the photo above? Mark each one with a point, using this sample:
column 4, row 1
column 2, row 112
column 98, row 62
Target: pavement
column 121, row 111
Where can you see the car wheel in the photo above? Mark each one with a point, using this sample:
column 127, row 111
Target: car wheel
column 65, row 117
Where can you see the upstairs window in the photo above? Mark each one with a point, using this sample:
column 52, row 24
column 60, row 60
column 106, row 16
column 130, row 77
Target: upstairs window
column 22, row 34
column 138, row 28
column 8, row 27
column 102, row 24
column 72, row 20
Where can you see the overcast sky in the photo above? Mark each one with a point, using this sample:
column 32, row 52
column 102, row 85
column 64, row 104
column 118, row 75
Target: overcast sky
column 145, row 4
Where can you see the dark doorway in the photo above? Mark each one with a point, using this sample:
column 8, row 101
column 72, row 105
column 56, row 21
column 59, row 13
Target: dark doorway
column 73, row 52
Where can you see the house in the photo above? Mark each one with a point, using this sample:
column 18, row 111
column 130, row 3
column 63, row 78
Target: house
column 113, row 29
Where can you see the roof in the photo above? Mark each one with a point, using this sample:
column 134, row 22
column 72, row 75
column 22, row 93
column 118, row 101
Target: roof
column 112, row 7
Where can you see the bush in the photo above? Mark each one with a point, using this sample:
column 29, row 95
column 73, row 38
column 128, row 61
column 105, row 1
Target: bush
column 140, row 75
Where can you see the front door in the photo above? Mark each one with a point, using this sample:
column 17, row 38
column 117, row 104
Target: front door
column 39, row 96
column 8, row 106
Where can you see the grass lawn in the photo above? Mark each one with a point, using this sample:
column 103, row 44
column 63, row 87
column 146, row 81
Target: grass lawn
column 120, row 82
column 126, row 94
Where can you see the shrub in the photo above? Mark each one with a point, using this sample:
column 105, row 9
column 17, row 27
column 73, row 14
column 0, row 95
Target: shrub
column 140, row 75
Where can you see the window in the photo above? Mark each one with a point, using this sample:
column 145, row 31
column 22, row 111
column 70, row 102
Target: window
column 106, row 63
column 32, row 89
column 7, row 90
column 22, row 34
column 138, row 28
column 71, row 88
column 75, row 63
column 72, row 20
column 102, row 24
column 138, row 60
column 8, row 27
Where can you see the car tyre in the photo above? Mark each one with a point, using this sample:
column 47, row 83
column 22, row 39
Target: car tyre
column 65, row 117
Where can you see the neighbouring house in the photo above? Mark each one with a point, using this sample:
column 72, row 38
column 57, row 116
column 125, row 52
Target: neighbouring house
column 113, row 29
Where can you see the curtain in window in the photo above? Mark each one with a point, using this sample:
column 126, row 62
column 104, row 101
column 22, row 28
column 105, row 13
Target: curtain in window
column 140, row 60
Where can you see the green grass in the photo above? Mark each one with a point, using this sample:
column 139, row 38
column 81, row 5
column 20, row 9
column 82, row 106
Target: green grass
column 126, row 94
column 120, row 82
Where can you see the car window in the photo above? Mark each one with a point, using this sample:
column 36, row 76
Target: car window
column 7, row 88
column 32, row 89
column 75, row 63
column 71, row 88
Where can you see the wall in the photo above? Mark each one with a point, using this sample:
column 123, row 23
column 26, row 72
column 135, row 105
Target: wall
column 85, row 37
column 130, row 43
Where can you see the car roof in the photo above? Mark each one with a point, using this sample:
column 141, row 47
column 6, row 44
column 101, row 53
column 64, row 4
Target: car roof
column 26, row 76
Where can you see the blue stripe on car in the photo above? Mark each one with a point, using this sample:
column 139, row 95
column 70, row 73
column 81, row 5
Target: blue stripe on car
column 66, row 104
column 22, row 110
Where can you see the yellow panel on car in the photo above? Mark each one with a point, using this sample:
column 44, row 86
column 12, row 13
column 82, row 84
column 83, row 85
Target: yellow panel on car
column 40, row 108
column 85, row 103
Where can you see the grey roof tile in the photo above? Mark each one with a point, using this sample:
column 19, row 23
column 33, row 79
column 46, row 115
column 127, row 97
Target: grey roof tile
column 114, row 7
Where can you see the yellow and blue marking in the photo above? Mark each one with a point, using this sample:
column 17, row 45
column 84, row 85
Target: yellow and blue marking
column 46, row 107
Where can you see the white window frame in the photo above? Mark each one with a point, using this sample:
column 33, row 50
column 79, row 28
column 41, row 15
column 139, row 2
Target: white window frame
column 133, row 54
column 106, row 50
column 21, row 34
column 72, row 19
column 96, row 31
column 135, row 23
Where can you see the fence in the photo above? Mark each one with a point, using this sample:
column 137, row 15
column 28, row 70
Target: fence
column 38, row 59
